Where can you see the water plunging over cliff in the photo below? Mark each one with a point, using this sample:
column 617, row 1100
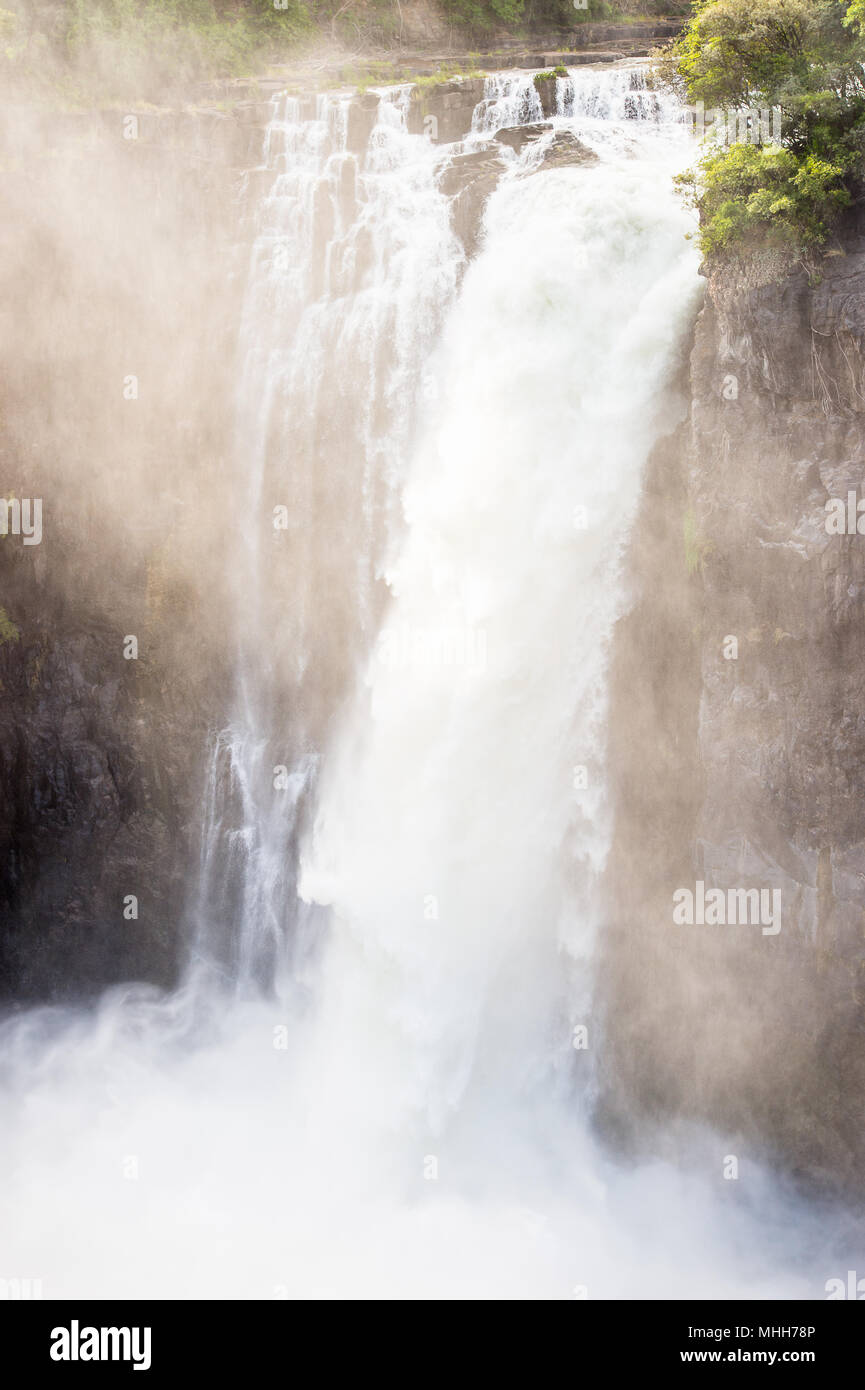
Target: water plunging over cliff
column 439, row 467
column 353, row 268
column 462, row 821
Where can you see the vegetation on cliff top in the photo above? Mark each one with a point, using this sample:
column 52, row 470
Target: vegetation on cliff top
column 803, row 57
column 547, row 14
column 106, row 48
column 110, row 47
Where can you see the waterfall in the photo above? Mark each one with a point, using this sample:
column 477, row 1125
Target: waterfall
column 354, row 265
column 405, row 817
column 459, row 856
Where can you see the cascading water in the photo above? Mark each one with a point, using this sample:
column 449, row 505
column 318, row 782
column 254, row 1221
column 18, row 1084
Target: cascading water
column 461, row 861
column 402, row 1113
column 353, row 265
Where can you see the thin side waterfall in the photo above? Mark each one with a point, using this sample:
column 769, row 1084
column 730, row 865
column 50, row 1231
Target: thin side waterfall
column 353, row 265
column 368, row 1085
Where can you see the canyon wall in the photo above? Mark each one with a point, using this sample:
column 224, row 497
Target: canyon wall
column 739, row 734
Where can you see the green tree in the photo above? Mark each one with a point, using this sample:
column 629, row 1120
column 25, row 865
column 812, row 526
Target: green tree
column 805, row 57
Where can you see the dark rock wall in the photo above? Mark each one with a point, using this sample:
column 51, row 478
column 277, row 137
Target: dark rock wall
column 745, row 771
column 119, row 258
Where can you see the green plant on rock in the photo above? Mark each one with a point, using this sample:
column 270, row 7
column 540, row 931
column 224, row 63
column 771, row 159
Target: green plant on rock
column 550, row 75
column 8, row 631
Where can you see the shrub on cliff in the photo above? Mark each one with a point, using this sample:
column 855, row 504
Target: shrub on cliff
column 767, row 194
column 804, row 57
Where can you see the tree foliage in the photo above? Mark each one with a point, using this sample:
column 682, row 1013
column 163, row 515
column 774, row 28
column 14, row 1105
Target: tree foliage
column 770, row 196
column 804, row 57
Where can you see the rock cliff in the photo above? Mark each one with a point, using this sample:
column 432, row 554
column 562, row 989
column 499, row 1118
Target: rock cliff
column 739, row 732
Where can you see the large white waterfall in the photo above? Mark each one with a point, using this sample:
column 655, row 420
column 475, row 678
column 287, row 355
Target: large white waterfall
column 368, row 1085
column 459, row 856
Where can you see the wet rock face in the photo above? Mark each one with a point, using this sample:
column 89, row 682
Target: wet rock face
column 566, row 150
column 469, row 180
column 546, row 89
column 778, row 430
column 741, row 672
column 515, row 137
column 100, row 780
column 444, row 111
column 361, row 119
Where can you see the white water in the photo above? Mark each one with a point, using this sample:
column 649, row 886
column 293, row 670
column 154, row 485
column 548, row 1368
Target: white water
column 454, row 780
column 408, row 1118
column 353, row 266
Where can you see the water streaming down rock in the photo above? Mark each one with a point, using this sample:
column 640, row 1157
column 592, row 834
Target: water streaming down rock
column 603, row 98
column 353, row 265
column 414, row 1124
